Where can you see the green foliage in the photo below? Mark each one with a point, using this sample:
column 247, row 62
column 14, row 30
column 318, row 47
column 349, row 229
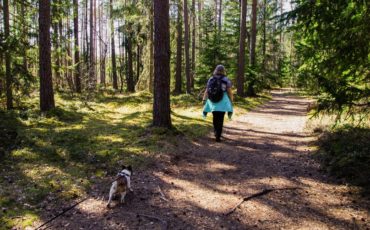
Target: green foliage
column 345, row 152
column 332, row 43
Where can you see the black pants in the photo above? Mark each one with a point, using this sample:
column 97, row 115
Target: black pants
column 218, row 123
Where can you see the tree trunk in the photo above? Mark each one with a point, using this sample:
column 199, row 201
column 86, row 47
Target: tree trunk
column 151, row 52
column 1, row 70
column 69, row 55
column 178, row 83
column 114, row 63
column 241, row 61
column 200, row 23
column 187, row 55
column 92, row 73
column 251, row 91
column 220, row 16
column 46, row 83
column 138, row 58
column 103, row 50
column 77, row 48
column 130, row 74
column 193, row 46
column 8, row 74
column 161, row 105
column 24, row 36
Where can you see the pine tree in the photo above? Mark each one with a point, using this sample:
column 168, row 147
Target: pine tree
column 187, row 47
column 113, row 47
column 46, row 83
column 77, row 71
column 178, row 78
column 241, row 59
column 8, row 75
column 161, row 105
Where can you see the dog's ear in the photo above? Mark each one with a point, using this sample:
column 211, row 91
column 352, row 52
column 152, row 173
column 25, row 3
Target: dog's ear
column 123, row 167
column 129, row 168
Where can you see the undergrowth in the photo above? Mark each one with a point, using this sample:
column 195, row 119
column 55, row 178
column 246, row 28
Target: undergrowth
column 343, row 148
column 58, row 156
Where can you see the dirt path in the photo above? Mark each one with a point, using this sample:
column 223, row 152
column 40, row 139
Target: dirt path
column 267, row 148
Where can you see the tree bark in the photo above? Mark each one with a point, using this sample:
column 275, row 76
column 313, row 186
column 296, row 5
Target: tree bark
column 251, row 91
column 114, row 63
column 161, row 105
column 187, row 55
column 241, row 60
column 24, row 36
column 103, row 49
column 200, row 23
column 8, row 74
column 220, row 16
column 193, row 46
column 151, row 52
column 92, row 73
column 46, row 82
column 77, row 48
column 130, row 71
column 178, row 83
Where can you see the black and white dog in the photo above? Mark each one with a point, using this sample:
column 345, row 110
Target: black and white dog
column 121, row 184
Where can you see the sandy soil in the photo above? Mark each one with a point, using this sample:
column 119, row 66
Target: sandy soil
column 195, row 186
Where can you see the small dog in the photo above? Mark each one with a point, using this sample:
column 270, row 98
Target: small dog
column 121, row 184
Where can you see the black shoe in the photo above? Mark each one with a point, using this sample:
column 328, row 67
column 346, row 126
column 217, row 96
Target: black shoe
column 218, row 139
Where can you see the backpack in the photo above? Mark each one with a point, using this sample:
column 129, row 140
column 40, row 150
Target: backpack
column 214, row 89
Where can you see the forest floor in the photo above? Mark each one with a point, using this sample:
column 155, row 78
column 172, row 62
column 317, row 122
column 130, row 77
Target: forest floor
column 198, row 181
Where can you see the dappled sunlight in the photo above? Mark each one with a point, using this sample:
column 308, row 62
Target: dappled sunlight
column 188, row 191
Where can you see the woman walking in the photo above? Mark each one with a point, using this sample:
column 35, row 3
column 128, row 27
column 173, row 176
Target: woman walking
column 218, row 99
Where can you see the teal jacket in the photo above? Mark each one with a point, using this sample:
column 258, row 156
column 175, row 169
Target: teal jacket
column 224, row 105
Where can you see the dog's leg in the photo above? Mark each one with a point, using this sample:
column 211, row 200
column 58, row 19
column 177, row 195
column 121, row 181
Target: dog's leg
column 112, row 191
column 129, row 184
column 123, row 194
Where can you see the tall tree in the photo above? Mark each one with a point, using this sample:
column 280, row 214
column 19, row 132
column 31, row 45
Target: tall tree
column 76, row 48
column 92, row 67
column 187, row 47
column 161, row 105
column 200, row 23
column 46, row 83
column 130, row 71
column 241, row 60
column 178, row 78
column 193, row 44
column 251, row 91
column 8, row 74
column 151, row 47
column 220, row 16
column 113, row 46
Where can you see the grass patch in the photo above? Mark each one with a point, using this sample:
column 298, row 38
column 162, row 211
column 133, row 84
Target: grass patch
column 345, row 153
column 343, row 148
column 57, row 156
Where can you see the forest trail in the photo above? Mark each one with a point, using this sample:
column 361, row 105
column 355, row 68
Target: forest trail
column 193, row 188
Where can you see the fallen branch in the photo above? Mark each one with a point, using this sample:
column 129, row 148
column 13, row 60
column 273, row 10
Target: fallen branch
column 62, row 213
column 264, row 192
column 163, row 197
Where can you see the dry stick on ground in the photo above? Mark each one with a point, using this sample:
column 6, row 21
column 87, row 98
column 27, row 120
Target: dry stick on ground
column 163, row 197
column 264, row 192
column 64, row 211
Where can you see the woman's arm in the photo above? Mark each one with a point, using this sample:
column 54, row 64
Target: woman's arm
column 230, row 94
column 205, row 95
